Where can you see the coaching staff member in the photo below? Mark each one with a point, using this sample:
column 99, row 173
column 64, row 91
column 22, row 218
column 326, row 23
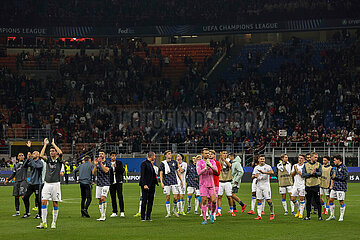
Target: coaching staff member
column 148, row 180
column 312, row 172
column 86, row 178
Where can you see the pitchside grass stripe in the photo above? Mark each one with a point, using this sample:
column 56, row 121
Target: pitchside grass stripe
column 71, row 226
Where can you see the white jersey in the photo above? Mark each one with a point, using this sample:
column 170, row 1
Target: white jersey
column 156, row 169
column 262, row 179
column 299, row 181
column 183, row 165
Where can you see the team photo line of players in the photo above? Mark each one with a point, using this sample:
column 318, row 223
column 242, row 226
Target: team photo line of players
column 207, row 180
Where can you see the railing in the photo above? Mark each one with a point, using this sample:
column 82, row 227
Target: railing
column 128, row 148
column 305, row 147
column 350, row 152
column 197, row 147
column 37, row 134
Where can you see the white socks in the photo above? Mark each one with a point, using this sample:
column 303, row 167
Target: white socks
column 101, row 208
column 197, row 203
column 44, row 213
column 284, row 204
column 104, row 209
column 140, row 205
column 182, row 205
column 332, row 209
column 292, row 206
column 175, row 204
column 302, row 206
column 167, row 207
column 342, row 211
column 296, row 203
column 55, row 214
column 189, row 201
column 253, row 202
column 259, row 209
column 178, row 204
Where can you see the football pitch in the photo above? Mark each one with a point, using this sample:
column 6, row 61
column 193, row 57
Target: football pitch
column 70, row 225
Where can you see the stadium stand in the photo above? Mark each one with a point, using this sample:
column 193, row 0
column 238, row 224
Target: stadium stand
column 320, row 102
column 157, row 12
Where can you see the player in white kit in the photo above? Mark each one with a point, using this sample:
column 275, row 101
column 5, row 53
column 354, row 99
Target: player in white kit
column 182, row 166
column 262, row 174
column 253, row 190
column 299, row 186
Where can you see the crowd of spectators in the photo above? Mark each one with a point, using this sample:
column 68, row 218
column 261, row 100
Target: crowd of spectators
column 160, row 12
column 82, row 105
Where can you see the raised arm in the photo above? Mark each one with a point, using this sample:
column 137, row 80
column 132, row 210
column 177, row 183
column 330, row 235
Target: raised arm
column 28, row 144
column 42, row 153
column 56, row 147
column 95, row 166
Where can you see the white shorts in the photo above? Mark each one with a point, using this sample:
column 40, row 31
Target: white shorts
column 283, row 190
column 253, row 185
column 225, row 187
column 263, row 192
column 181, row 189
column 298, row 191
column 191, row 190
column 339, row 195
column 173, row 188
column 102, row 191
column 325, row 191
column 51, row 192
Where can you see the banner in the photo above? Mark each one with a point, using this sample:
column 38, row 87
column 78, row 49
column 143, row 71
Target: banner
column 163, row 30
column 134, row 177
column 11, row 31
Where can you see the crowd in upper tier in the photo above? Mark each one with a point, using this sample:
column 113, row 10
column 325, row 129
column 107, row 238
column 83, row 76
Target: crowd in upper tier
column 168, row 12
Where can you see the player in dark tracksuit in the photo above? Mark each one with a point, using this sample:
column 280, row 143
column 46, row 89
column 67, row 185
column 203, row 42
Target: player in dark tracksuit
column 35, row 182
column 20, row 174
column 86, row 178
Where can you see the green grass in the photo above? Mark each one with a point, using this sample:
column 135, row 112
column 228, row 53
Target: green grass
column 71, row 226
